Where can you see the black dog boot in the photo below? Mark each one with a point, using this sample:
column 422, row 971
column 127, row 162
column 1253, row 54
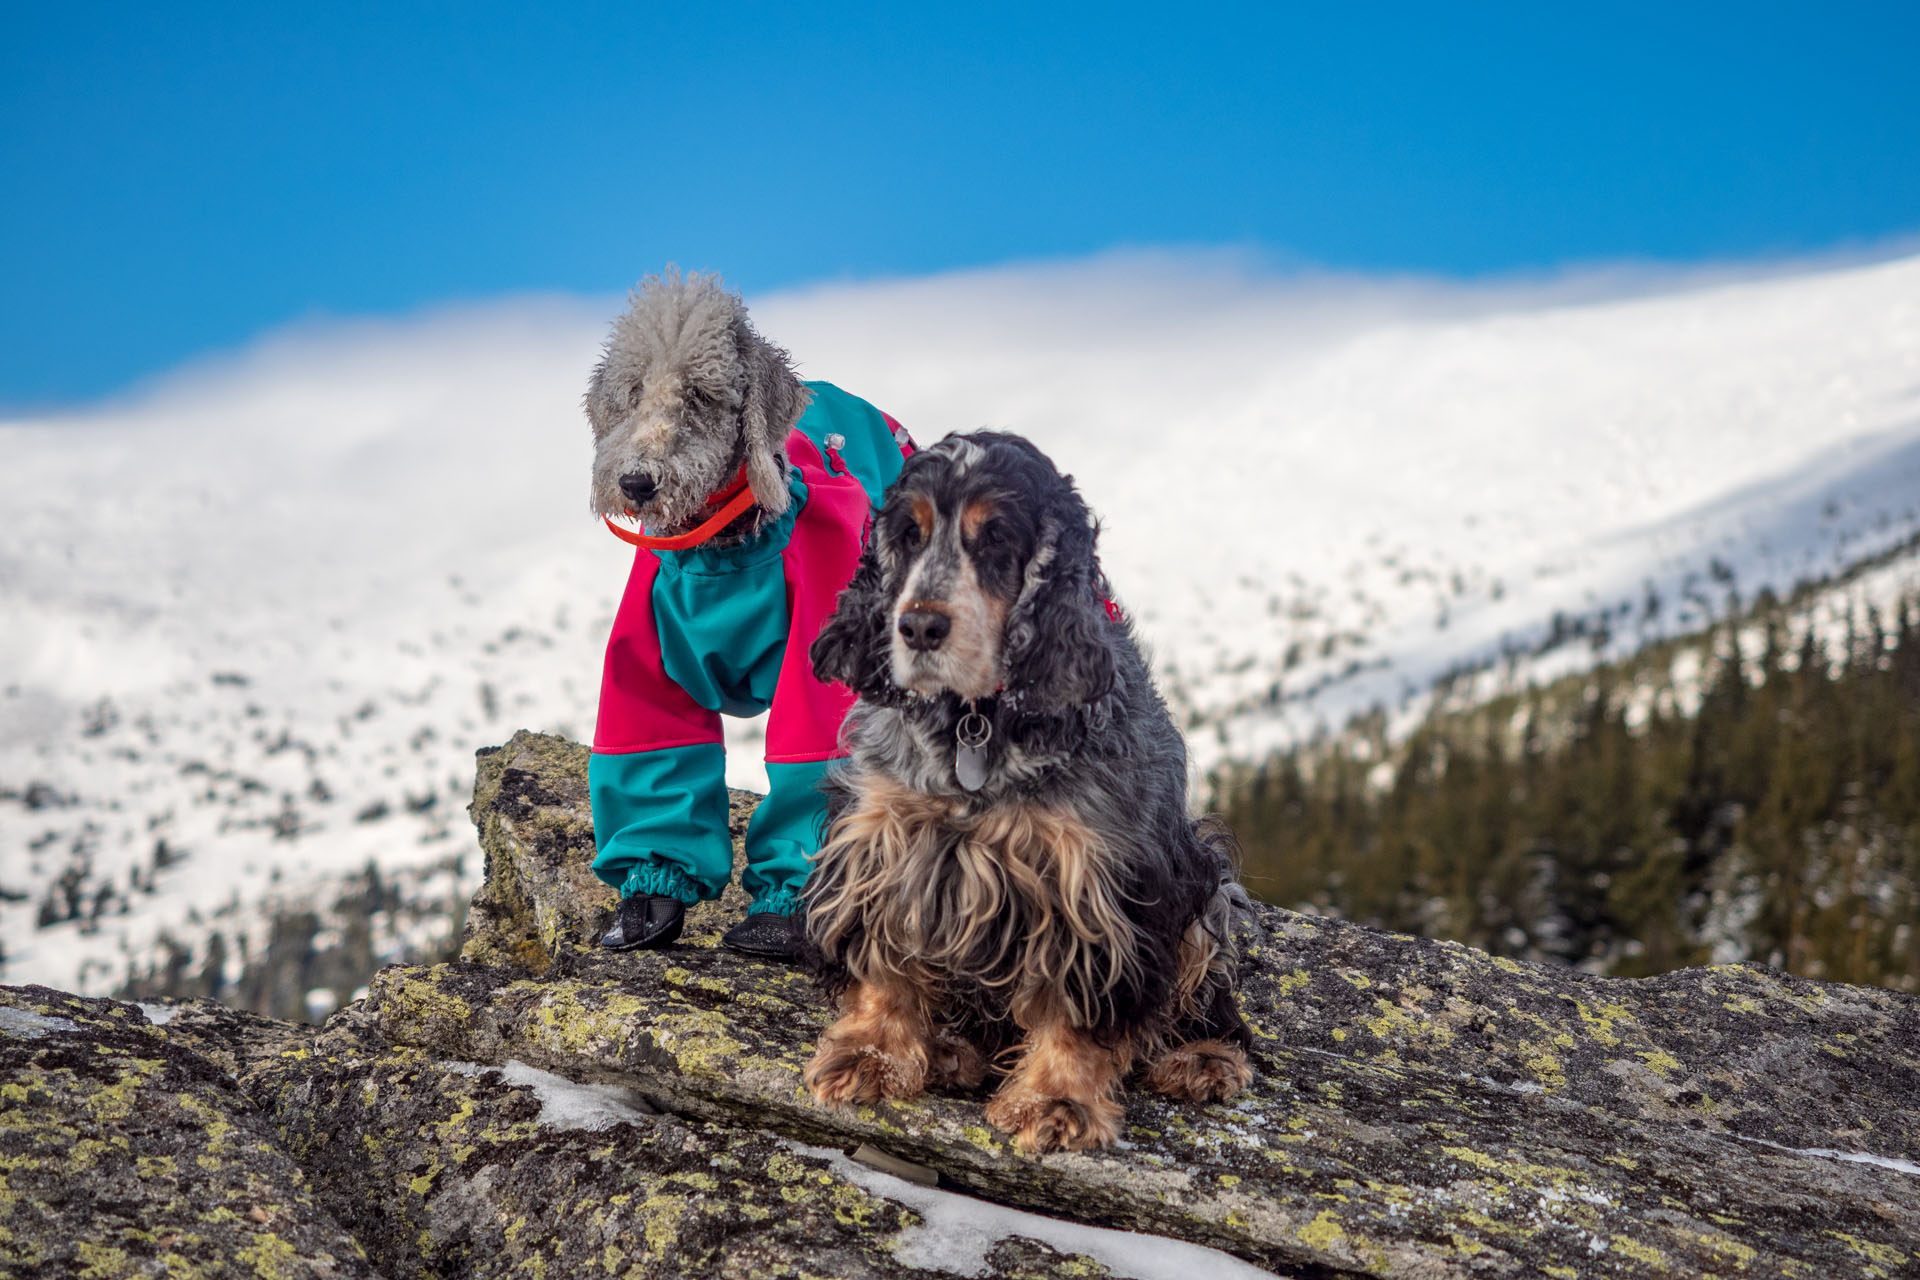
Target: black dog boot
column 766, row 935
column 645, row 920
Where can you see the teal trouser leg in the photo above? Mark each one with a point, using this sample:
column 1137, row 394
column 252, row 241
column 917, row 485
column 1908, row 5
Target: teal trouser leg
column 784, row 835
column 660, row 821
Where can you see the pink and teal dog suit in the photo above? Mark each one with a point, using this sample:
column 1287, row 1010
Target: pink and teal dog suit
column 706, row 631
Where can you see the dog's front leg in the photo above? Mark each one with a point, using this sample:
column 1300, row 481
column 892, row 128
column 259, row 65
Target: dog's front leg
column 877, row 1048
column 1065, row 1092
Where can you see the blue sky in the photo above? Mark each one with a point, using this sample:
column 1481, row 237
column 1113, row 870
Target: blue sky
column 180, row 178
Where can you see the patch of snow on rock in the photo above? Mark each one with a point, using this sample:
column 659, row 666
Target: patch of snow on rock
column 25, row 1024
column 564, row 1103
column 958, row 1231
column 1850, row 1157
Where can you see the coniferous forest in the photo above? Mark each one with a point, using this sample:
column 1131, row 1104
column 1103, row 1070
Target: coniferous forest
column 1752, row 794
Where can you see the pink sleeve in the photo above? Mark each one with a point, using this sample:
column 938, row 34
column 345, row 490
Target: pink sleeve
column 819, row 562
column 641, row 709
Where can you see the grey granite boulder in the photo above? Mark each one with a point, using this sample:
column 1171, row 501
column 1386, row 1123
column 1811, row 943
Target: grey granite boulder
column 1421, row 1108
column 447, row 1168
column 541, row 1108
column 124, row 1152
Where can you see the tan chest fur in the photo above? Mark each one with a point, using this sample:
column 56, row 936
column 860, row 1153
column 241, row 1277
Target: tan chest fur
column 1021, row 899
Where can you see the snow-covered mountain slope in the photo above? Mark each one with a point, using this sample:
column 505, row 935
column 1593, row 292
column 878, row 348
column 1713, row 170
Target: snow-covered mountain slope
column 257, row 618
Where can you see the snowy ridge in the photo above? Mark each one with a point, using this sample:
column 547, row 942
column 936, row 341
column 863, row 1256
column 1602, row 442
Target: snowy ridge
column 260, row 616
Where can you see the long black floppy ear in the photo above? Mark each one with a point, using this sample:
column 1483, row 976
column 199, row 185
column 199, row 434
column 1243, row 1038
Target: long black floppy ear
column 1058, row 647
column 775, row 399
column 855, row 647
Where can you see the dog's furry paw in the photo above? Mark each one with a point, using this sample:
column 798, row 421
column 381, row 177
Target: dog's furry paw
column 843, row 1073
column 1040, row 1124
column 1201, row 1071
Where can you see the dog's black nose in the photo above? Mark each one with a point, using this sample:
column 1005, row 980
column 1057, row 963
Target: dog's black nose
column 638, row 486
column 923, row 629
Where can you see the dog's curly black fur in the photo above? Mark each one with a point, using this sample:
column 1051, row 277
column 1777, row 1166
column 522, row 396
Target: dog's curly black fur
column 1069, row 907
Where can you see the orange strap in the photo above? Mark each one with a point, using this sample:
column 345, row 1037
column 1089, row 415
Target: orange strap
column 736, row 500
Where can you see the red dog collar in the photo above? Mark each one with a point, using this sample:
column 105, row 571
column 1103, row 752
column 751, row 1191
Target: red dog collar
column 735, row 500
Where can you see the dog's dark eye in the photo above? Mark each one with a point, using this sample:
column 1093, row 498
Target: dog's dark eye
column 996, row 544
column 910, row 535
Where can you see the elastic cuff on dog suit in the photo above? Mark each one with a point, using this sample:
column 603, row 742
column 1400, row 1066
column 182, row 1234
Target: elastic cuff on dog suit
column 784, row 835
column 659, row 878
column 779, row 904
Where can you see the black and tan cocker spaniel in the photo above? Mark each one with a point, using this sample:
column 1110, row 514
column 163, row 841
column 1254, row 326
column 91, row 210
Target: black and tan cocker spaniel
column 1010, row 877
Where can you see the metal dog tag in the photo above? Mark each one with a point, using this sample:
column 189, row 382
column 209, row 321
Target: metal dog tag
column 970, row 755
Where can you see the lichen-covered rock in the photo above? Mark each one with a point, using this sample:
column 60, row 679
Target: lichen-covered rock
column 235, row 1041
column 1421, row 1108
column 540, row 902
column 222, row 1143
column 539, row 894
column 124, row 1153
column 444, row 1169
column 1739, row 1049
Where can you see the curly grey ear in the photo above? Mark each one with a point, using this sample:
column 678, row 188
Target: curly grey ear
column 595, row 399
column 773, row 401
